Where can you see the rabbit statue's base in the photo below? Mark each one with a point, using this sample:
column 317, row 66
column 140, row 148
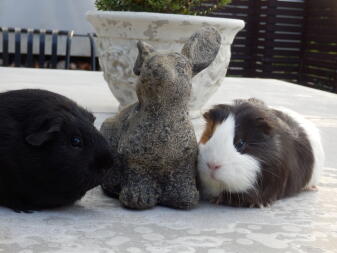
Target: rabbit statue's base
column 153, row 140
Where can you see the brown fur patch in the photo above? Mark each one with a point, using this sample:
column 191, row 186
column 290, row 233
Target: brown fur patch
column 213, row 118
column 209, row 130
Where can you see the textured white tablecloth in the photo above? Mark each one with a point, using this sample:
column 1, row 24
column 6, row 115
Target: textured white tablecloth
column 305, row 223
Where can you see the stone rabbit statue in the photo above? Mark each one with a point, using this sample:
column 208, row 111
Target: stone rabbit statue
column 153, row 140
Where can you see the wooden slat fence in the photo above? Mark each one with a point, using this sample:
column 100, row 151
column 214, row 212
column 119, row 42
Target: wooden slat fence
column 292, row 40
column 319, row 62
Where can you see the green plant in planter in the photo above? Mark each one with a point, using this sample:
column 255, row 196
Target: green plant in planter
column 191, row 7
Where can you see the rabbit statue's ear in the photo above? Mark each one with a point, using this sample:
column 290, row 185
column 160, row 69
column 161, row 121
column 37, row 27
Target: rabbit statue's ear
column 144, row 51
column 202, row 48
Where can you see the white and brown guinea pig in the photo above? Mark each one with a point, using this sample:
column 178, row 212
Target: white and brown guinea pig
column 251, row 155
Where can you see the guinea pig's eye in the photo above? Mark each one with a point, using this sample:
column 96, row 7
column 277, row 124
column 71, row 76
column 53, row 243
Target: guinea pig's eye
column 240, row 145
column 76, row 142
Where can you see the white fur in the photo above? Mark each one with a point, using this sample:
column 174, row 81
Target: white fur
column 238, row 172
column 315, row 140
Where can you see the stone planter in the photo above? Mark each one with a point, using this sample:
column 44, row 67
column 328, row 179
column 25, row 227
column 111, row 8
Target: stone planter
column 118, row 33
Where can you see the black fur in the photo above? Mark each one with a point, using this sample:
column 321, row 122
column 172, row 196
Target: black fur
column 41, row 164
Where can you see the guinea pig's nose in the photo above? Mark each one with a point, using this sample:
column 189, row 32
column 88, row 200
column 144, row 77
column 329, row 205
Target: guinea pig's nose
column 213, row 166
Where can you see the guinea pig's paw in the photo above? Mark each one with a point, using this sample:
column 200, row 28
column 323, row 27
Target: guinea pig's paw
column 222, row 199
column 139, row 196
column 217, row 200
column 19, row 207
column 23, row 211
column 229, row 199
column 266, row 204
column 312, row 188
column 261, row 205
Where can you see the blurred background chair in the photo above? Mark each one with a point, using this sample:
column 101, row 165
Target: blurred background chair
column 35, row 48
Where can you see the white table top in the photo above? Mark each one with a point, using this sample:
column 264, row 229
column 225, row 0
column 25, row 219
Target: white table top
column 305, row 223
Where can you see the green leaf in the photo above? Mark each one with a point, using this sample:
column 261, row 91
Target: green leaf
column 192, row 7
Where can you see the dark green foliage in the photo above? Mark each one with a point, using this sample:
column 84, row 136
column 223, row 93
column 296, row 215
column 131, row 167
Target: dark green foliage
column 192, row 7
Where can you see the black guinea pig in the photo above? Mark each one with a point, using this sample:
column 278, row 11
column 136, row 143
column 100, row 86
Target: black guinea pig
column 50, row 152
column 251, row 155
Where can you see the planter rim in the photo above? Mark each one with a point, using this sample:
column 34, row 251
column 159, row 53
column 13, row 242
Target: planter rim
column 178, row 18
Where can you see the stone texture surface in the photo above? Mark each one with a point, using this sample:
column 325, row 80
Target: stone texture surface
column 118, row 33
column 98, row 224
column 153, row 140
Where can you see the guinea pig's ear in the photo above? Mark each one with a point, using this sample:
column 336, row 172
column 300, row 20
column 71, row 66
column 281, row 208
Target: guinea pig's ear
column 92, row 118
column 253, row 101
column 256, row 101
column 144, row 51
column 207, row 116
column 44, row 132
column 218, row 113
column 202, row 48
